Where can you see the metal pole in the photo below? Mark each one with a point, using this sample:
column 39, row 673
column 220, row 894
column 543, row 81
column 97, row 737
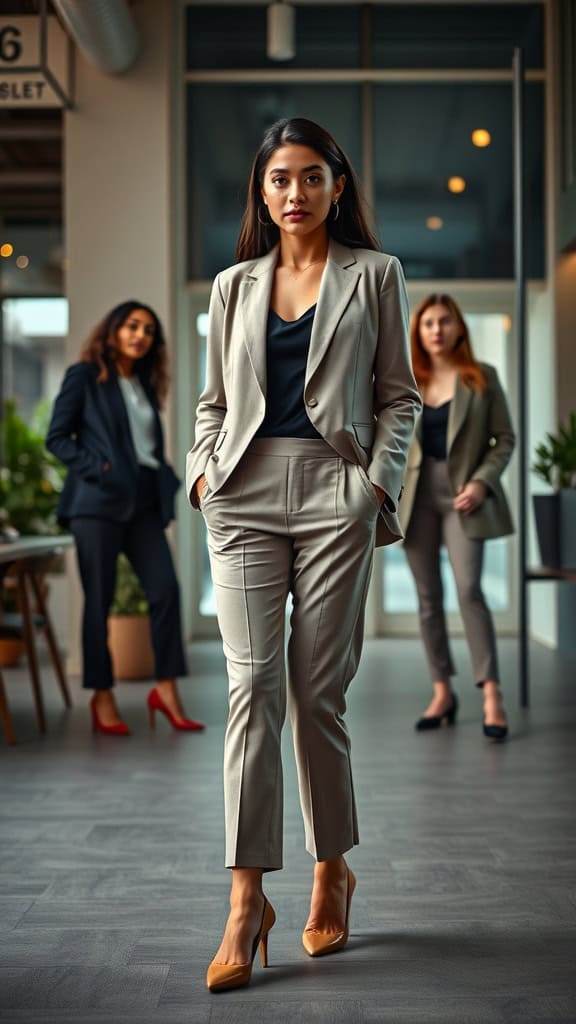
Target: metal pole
column 520, row 304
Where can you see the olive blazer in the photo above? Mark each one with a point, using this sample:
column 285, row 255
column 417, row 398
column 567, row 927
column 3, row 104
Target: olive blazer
column 359, row 391
column 480, row 443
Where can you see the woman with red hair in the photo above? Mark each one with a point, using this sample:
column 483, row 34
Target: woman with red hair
column 453, row 496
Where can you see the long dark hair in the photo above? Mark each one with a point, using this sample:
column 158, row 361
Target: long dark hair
column 462, row 355
column 350, row 227
column 100, row 348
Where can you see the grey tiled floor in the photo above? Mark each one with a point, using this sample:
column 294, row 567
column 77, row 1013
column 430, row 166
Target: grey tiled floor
column 113, row 897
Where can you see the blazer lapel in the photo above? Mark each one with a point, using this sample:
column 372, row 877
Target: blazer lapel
column 255, row 292
column 150, row 395
column 458, row 411
column 339, row 282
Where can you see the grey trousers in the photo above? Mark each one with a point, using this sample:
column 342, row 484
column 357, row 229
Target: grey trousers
column 293, row 517
column 435, row 522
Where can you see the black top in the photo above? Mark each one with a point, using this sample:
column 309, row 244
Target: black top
column 287, row 344
column 434, row 430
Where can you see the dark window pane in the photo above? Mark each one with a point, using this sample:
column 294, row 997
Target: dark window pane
column 235, row 37
column 456, row 35
column 422, row 137
column 225, row 126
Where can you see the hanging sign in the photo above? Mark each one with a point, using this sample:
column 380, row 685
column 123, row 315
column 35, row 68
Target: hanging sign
column 34, row 62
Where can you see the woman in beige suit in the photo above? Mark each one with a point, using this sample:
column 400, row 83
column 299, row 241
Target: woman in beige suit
column 302, row 433
column 453, row 496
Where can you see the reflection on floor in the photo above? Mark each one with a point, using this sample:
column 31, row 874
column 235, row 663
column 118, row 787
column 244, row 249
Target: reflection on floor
column 112, row 894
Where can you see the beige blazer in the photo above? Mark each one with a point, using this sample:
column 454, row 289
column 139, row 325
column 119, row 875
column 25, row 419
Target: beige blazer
column 360, row 392
column 480, row 443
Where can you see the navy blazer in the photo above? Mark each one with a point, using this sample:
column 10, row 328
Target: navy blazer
column 90, row 429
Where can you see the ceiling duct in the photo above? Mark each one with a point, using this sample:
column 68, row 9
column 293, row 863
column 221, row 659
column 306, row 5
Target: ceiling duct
column 104, row 30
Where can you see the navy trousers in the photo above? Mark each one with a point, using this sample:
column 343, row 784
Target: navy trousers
column 143, row 541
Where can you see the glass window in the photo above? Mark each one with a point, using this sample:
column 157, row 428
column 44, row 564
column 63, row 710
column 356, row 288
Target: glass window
column 32, row 258
column 422, row 139
column 33, row 352
column 235, row 37
column 219, row 161
column 456, row 35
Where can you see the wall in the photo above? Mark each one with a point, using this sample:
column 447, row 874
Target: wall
column 117, row 194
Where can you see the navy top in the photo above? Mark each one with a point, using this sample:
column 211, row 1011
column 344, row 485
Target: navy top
column 287, row 344
column 434, row 430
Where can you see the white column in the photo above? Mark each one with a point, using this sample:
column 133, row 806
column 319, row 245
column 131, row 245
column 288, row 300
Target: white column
column 118, row 171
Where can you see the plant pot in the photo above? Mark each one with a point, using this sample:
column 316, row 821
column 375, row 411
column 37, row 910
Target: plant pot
column 555, row 516
column 131, row 646
column 11, row 650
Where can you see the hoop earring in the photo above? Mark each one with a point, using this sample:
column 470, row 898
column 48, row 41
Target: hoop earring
column 264, row 223
column 337, row 210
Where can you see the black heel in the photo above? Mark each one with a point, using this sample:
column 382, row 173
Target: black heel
column 435, row 721
column 495, row 732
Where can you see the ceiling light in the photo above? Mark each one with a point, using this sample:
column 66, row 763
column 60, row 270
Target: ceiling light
column 281, row 36
column 456, row 185
column 22, row 262
column 434, row 223
column 481, row 137
column 6, row 250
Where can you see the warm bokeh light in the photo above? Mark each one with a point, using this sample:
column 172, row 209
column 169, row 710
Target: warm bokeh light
column 22, row 262
column 481, row 137
column 507, row 322
column 456, row 184
column 434, row 223
column 6, row 249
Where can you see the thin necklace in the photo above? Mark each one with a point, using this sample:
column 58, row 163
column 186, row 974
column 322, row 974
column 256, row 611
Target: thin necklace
column 295, row 271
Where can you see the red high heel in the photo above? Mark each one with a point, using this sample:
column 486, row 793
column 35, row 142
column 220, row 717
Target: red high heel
column 155, row 703
column 119, row 729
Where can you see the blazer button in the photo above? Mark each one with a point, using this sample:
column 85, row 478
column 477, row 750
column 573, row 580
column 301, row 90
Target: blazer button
column 312, row 402
column 214, row 458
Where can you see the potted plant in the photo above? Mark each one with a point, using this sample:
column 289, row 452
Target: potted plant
column 30, row 483
column 555, row 513
column 129, row 626
column 30, row 477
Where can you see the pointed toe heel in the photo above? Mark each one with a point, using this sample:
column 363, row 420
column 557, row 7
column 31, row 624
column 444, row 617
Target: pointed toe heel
column 221, row 977
column 118, row 729
column 155, row 703
column 495, row 732
column 317, row 943
column 428, row 722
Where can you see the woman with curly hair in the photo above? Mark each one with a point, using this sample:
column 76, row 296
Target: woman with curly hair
column 119, row 496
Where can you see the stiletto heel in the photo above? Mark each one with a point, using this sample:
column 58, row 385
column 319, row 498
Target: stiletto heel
column 435, row 721
column 155, row 703
column 264, row 950
column 119, row 729
column 225, row 976
column 317, row 943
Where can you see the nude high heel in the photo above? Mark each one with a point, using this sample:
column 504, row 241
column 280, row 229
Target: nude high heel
column 224, row 976
column 317, row 943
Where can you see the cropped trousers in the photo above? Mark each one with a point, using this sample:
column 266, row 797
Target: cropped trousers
column 435, row 522
column 294, row 517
